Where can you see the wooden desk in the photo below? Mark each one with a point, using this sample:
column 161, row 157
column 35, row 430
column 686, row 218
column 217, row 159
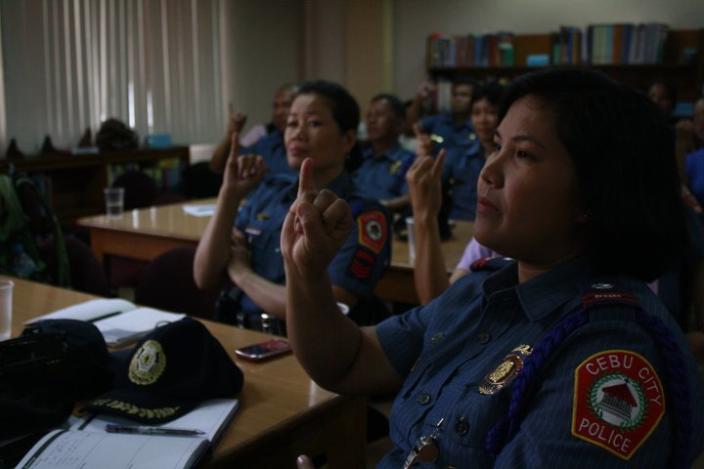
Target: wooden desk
column 144, row 234
column 282, row 412
column 397, row 283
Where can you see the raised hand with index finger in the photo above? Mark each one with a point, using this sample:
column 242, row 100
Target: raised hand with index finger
column 316, row 225
column 424, row 179
column 242, row 172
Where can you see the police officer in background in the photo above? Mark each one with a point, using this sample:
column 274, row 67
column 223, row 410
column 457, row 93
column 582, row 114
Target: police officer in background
column 321, row 128
column 266, row 141
column 453, row 130
column 560, row 358
column 381, row 174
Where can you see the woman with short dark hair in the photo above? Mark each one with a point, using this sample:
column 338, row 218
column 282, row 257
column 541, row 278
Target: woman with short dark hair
column 560, row 358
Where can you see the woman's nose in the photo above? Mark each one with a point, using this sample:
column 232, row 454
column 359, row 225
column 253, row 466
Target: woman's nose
column 492, row 172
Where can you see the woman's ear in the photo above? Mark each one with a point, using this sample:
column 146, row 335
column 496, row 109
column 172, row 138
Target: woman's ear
column 349, row 138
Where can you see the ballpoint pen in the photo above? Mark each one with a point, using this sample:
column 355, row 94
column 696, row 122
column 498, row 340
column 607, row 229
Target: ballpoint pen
column 141, row 430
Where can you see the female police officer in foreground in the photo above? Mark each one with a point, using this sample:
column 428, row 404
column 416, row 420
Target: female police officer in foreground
column 321, row 126
column 562, row 358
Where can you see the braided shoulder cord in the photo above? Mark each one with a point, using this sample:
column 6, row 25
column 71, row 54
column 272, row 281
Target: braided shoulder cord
column 504, row 430
column 675, row 377
column 677, row 383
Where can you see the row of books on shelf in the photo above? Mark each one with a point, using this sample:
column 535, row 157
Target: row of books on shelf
column 487, row 50
column 600, row 44
column 610, row 44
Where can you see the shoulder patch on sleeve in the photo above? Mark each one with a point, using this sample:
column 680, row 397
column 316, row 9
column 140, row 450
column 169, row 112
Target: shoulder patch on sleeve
column 362, row 265
column 372, row 230
column 618, row 401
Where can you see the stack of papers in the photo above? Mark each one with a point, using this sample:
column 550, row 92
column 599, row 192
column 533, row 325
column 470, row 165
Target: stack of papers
column 120, row 321
column 202, row 210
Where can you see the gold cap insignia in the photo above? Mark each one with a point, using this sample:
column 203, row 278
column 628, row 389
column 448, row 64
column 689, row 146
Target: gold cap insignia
column 262, row 216
column 148, row 363
column 507, row 370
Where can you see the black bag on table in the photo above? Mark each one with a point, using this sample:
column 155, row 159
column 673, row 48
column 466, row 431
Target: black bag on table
column 43, row 374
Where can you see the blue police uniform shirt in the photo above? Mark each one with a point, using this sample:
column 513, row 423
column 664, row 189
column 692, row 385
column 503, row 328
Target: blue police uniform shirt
column 383, row 176
column 454, row 136
column 272, row 149
column 356, row 267
column 460, row 175
column 445, row 349
column 694, row 165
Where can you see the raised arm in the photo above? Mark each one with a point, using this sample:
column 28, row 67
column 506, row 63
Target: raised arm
column 425, row 188
column 222, row 151
column 332, row 348
column 242, row 174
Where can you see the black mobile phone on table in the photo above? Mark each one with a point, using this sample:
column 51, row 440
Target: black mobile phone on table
column 264, row 350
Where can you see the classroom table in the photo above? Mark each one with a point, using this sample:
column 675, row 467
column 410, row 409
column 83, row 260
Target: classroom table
column 282, row 412
column 146, row 233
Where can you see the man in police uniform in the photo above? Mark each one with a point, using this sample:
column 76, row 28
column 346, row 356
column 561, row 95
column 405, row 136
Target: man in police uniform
column 382, row 172
column 270, row 141
column 454, row 129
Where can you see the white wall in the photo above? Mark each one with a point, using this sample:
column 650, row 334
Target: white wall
column 416, row 19
column 267, row 43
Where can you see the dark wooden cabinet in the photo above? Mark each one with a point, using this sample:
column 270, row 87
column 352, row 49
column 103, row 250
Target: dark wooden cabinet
column 74, row 183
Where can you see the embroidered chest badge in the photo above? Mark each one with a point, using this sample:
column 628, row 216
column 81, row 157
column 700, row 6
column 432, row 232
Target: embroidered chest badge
column 262, row 216
column 618, row 401
column 148, row 363
column 507, row 370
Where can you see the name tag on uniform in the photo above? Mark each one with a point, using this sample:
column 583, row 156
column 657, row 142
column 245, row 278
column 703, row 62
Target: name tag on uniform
column 394, row 167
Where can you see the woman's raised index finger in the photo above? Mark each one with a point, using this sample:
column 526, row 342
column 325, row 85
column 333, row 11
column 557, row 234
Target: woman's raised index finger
column 306, row 183
column 234, row 144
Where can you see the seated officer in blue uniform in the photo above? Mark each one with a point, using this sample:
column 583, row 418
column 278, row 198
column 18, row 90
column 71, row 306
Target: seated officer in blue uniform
column 270, row 146
column 462, row 165
column 321, row 126
column 560, row 358
column 453, row 129
column 381, row 174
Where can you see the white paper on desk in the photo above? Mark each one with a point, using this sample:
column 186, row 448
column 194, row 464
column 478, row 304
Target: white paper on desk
column 200, row 210
column 63, row 449
column 132, row 324
column 211, row 417
column 88, row 310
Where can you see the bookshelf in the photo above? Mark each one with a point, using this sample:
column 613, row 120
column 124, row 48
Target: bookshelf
column 686, row 75
column 74, row 183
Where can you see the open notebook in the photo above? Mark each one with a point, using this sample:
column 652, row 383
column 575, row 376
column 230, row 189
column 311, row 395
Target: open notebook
column 87, row 444
column 120, row 321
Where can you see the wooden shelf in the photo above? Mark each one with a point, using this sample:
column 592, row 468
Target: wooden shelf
column 687, row 78
column 75, row 183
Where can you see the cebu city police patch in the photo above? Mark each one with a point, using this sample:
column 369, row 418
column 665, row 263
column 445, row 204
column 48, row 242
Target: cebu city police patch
column 372, row 231
column 618, row 401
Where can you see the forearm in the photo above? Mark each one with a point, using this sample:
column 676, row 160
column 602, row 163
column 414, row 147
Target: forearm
column 212, row 254
column 413, row 112
column 325, row 341
column 219, row 159
column 397, row 203
column 269, row 296
column 430, row 273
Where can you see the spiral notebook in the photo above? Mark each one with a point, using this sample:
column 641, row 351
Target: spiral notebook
column 87, row 444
